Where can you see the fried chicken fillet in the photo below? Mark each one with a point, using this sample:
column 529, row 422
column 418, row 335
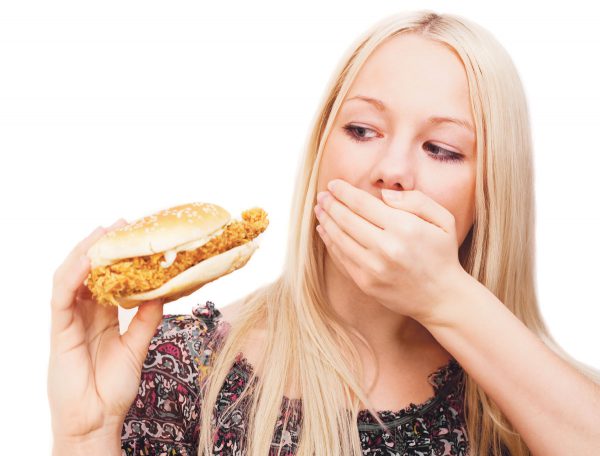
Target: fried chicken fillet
column 144, row 273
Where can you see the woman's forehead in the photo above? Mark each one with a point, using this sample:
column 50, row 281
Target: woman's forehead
column 413, row 72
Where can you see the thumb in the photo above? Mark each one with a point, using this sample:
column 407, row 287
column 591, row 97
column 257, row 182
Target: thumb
column 142, row 328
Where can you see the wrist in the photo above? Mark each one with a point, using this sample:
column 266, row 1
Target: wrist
column 461, row 289
column 105, row 441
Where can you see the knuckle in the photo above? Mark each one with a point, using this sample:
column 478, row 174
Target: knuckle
column 410, row 230
column 397, row 251
column 387, row 248
column 379, row 269
column 391, row 249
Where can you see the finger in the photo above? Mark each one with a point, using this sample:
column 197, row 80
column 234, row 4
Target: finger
column 84, row 245
column 372, row 208
column 360, row 229
column 343, row 261
column 69, row 277
column 346, row 247
column 142, row 328
column 71, row 272
column 115, row 226
column 361, row 202
column 346, row 243
column 421, row 205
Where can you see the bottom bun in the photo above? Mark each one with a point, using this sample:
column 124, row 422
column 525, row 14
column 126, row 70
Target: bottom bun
column 195, row 277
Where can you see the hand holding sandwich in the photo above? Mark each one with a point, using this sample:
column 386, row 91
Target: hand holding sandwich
column 94, row 372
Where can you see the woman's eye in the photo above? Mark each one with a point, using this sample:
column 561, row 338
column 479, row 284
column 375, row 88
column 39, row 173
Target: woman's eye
column 442, row 154
column 356, row 132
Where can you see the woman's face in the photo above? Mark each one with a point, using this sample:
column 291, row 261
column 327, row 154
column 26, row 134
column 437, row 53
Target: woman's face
column 394, row 143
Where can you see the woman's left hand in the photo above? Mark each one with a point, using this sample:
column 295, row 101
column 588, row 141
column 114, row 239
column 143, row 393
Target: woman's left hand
column 402, row 251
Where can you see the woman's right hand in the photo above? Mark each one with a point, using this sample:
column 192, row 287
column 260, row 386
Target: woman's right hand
column 94, row 371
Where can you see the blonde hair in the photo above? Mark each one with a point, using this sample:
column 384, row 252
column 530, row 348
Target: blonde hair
column 308, row 347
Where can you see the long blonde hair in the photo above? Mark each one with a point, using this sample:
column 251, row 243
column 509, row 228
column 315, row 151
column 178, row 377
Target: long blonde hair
column 307, row 348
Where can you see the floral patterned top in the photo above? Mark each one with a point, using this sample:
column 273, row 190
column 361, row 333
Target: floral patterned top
column 163, row 419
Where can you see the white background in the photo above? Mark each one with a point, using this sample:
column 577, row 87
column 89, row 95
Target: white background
column 119, row 109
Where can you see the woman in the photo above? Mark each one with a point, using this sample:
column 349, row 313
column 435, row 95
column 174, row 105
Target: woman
column 414, row 270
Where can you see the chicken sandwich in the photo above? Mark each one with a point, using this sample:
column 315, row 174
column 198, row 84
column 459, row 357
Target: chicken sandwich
column 171, row 253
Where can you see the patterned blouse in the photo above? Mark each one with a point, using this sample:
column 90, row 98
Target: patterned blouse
column 164, row 417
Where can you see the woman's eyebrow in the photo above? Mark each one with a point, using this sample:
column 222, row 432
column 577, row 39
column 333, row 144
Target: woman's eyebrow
column 434, row 120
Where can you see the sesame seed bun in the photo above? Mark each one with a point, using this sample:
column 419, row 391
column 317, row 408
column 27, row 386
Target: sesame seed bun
column 159, row 232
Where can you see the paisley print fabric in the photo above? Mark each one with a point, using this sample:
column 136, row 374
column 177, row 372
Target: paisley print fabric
column 164, row 417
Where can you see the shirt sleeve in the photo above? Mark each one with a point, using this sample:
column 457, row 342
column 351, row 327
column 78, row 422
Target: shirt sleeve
column 162, row 420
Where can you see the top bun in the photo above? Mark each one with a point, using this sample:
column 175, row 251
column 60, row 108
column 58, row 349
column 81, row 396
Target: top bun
column 159, row 232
